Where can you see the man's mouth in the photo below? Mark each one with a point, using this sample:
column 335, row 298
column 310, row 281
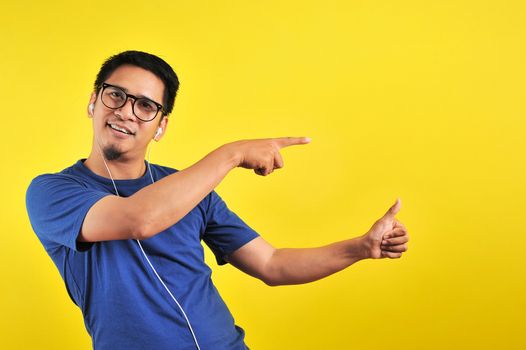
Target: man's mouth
column 120, row 129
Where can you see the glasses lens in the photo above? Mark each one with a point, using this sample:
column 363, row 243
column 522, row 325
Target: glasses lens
column 113, row 97
column 145, row 109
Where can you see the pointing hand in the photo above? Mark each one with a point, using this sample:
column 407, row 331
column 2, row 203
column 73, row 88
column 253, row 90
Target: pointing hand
column 263, row 155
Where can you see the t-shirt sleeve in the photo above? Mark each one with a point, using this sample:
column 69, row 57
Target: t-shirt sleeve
column 57, row 205
column 225, row 232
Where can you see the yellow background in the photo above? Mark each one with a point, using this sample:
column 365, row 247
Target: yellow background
column 422, row 100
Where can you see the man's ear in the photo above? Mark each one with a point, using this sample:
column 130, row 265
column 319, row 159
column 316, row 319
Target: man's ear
column 161, row 129
column 92, row 100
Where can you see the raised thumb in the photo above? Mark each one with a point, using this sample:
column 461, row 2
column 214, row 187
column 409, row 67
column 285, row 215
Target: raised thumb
column 394, row 209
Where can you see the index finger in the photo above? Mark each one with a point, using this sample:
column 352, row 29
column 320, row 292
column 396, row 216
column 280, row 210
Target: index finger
column 397, row 223
column 397, row 232
column 290, row 141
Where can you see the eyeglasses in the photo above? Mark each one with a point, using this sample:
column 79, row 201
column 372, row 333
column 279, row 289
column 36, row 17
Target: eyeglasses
column 115, row 97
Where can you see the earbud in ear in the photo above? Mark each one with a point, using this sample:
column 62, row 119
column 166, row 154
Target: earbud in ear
column 158, row 133
column 91, row 108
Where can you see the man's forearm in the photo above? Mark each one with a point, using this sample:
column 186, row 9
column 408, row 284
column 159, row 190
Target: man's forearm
column 168, row 200
column 303, row 265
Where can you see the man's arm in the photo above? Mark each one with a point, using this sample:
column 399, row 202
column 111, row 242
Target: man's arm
column 162, row 204
column 386, row 238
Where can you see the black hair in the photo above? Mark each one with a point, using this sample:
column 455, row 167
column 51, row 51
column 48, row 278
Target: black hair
column 146, row 61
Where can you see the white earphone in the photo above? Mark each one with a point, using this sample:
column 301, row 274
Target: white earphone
column 91, row 107
column 158, row 133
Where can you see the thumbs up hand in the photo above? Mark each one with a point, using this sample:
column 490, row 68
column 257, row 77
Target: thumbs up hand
column 388, row 237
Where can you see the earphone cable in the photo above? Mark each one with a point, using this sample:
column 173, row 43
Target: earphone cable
column 144, row 253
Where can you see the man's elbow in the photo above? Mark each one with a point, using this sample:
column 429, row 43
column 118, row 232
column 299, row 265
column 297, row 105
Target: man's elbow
column 271, row 278
column 141, row 226
column 272, row 282
column 139, row 232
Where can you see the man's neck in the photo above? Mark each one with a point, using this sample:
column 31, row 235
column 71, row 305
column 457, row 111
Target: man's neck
column 121, row 169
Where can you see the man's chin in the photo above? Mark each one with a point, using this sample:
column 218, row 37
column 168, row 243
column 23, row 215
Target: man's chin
column 112, row 153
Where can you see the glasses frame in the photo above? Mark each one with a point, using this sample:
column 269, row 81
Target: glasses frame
column 134, row 99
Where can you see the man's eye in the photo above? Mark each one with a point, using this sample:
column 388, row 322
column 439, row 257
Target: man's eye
column 147, row 106
column 116, row 95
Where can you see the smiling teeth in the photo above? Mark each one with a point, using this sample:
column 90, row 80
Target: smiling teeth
column 119, row 129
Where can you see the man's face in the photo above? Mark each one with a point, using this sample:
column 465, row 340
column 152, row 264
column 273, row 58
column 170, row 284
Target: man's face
column 134, row 135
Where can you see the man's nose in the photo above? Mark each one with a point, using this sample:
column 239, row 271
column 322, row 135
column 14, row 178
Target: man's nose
column 126, row 111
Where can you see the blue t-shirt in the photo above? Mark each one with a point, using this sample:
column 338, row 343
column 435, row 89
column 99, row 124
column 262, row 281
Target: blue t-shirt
column 124, row 305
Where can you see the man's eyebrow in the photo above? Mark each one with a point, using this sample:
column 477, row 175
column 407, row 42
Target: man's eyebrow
column 126, row 91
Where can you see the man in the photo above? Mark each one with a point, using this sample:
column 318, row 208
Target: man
column 126, row 234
